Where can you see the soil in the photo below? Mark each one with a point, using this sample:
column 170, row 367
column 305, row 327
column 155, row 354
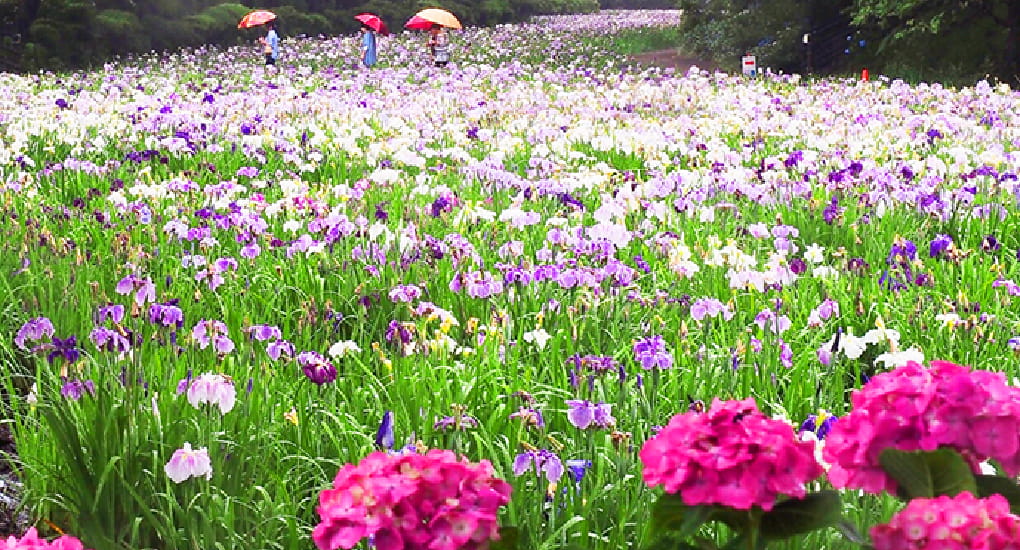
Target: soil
column 671, row 59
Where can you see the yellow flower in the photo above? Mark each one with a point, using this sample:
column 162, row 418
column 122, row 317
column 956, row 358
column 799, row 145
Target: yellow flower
column 291, row 416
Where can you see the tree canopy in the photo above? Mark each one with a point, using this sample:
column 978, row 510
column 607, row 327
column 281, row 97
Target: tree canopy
column 76, row 33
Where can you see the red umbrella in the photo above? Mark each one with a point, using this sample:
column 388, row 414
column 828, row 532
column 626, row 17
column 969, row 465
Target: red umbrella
column 256, row 18
column 373, row 22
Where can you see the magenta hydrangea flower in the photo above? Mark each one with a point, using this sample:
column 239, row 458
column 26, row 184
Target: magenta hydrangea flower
column 732, row 455
column 402, row 501
column 31, row 541
column 959, row 522
column 916, row 408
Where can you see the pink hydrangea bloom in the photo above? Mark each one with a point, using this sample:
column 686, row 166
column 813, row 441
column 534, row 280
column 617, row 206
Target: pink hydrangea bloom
column 962, row 522
column 31, row 541
column 432, row 501
column 916, row 408
column 731, row 455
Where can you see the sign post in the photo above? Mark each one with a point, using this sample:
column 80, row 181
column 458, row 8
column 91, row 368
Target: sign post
column 749, row 65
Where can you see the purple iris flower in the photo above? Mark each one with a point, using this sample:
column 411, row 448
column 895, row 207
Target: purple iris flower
column 651, row 353
column 530, row 417
column 584, row 414
column 67, row 348
column 110, row 340
column 264, row 332
column 990, row 244
column 544, row 461
column 316, row 367
column 75, row 389
column 114, row 312
column 144, row 289
column 822, row 429
column 939, row 245
column 902, row 250
column 280, row 348
column 166, row 314
column 456, row 423
column 384, row 437
column 34, row 329
column 577, row 469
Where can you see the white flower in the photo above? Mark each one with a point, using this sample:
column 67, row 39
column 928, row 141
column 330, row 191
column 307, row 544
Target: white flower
column 825, row 272
column 814, row 253
column 895, row 359
column 949, row 320
column 344, row 348
column 187, row 462
column 852, row 346
column 882, row 334
column 539, row 337
column 706, row 214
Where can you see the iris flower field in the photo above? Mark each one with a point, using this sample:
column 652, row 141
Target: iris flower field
column 250, row 308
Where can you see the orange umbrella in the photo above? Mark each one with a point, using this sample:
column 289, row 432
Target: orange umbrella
column 256, row 18
column 424, row 19
column 373, row 22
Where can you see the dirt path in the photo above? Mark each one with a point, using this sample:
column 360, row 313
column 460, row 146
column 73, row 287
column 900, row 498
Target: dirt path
column 672, row 59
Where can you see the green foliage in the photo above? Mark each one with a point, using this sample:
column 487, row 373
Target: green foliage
column 673, row 522
column 927, row 474
column 988, row 485
column 722, row 30
column 798, row 516
column 73, row 33
column 976, row 35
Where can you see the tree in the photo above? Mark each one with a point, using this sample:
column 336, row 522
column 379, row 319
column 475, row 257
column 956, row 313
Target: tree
column 931, row 20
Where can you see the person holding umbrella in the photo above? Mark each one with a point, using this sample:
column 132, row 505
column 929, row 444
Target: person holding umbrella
column 436, row 21
column 439, row 45
column 370, row 25
column 368, row 54
column 271, row 43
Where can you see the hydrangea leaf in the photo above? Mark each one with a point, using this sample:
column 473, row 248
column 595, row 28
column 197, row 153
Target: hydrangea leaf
column 671, row 514
column 797, row 516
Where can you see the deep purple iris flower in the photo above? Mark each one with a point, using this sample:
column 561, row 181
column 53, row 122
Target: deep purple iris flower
column 67, row 348
column 384, row 437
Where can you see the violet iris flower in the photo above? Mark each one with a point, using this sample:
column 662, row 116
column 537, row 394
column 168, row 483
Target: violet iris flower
column 544, row 462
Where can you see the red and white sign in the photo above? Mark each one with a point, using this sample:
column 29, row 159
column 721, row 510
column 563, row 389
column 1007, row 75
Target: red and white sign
column 749, row 65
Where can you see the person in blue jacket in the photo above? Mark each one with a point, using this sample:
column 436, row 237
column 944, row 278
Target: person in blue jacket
column 368, row 54
column 271, row 44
